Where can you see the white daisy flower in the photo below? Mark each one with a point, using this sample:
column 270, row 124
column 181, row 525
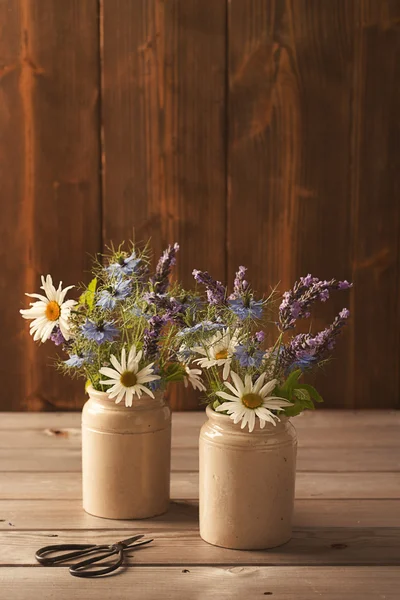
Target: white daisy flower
column 49, row 311
column 219, row 351
column 126, row 379
column 193, row 376
column 250, row 400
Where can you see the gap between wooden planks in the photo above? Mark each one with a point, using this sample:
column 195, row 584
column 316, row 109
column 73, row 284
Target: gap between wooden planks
column 207, row 582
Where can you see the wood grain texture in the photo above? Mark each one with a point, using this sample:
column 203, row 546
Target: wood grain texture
column 346, row 438
column 185, row 485
column 340, row 460
column 230, row 583
column 183, row 515
column 313, row 154
column 49, row 157
column 346, row 529
column 163, row 130
column 375, row 205
column 362, row 420
column 309, row 546
column 290, row 90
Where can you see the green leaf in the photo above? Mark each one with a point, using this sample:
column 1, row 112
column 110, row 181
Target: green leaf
column 292, row 380
column 293, row 411
column 88, row 295
column 311, row 391
column 304, row 398
column 173, row 372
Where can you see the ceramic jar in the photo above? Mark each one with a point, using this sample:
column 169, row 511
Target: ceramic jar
column 247, row 483
column 126, row 455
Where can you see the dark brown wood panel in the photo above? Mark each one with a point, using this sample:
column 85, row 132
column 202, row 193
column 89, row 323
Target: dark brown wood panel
column 312, row 171
column 164, row 131
column 376, row 206
column 49, row 122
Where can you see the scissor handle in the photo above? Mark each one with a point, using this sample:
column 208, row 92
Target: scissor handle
column 83, row 569
column 78, row 550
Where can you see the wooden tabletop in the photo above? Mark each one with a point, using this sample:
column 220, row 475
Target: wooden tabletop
column 346, row 539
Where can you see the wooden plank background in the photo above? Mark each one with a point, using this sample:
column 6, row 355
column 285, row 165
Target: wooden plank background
column 256, row 132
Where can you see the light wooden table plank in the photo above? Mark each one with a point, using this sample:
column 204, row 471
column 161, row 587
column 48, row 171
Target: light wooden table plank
column 192, row 421
column 183, row 514
column 208, row 583
column 185, row 485
column 309, row 546
column 187, row 459
column 316, row 437
column 346, row 513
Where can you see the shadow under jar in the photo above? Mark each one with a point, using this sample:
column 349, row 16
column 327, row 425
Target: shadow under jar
column 247, row 483
column 126, row 457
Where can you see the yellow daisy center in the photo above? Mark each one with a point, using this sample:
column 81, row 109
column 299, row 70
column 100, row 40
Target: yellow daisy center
column 222, row 354
column 252, row 400
column 52, row 311
column 128, row 379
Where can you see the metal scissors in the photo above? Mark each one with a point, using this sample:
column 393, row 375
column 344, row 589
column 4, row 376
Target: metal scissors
column 83, row 568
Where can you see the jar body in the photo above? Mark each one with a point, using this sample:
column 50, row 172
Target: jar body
column 247, row 483
column 126, row 454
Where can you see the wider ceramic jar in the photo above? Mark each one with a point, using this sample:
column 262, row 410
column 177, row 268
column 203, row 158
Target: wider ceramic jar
column 247, row 483
column 126, row 455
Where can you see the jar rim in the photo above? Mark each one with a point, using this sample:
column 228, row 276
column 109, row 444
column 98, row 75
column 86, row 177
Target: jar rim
column 159, row 397
column 226, row 420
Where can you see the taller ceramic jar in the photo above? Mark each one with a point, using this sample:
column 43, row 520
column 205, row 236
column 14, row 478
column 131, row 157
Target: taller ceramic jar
column 247, row 483
column 126, row 455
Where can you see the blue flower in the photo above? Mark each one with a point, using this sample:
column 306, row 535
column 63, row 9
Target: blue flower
column 204, row 326
column 124, row 265
column 249, row 357
column 107, row 299
column 138, row 312
column 251, row 308
column 155, row 385
column 303, row 361
column 99, row 332
column 77, row 360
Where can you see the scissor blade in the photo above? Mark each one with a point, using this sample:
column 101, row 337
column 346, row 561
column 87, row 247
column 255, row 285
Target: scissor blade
column 132, row 539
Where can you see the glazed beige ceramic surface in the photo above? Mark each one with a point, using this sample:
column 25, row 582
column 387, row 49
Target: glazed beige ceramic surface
column 126, row 453
column 246, row 483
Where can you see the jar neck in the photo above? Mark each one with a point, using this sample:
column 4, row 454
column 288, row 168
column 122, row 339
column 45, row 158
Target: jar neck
column 225, row 423
column 145, row 402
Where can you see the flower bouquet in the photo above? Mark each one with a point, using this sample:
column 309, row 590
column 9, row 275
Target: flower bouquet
column 121, row 337
column 253, row 384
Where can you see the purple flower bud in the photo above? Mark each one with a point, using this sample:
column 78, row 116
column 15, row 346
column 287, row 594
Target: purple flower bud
column 260, row 336
column 296, row 303
column 216, row 292
column 305, row 350
column 57, row 337
column 240, row 284
column 160, row 280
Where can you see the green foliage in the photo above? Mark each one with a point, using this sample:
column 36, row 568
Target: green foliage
column 88, row 296
column 173, row 372
column 302, row 395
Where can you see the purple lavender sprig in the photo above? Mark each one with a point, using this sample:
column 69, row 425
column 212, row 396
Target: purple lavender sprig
column 151, row 336
column 296, row 302
column 216, row 292
column 160, row 280
column 306, row 350
column 240, row 285
column 173, row 309
column 57, row 337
